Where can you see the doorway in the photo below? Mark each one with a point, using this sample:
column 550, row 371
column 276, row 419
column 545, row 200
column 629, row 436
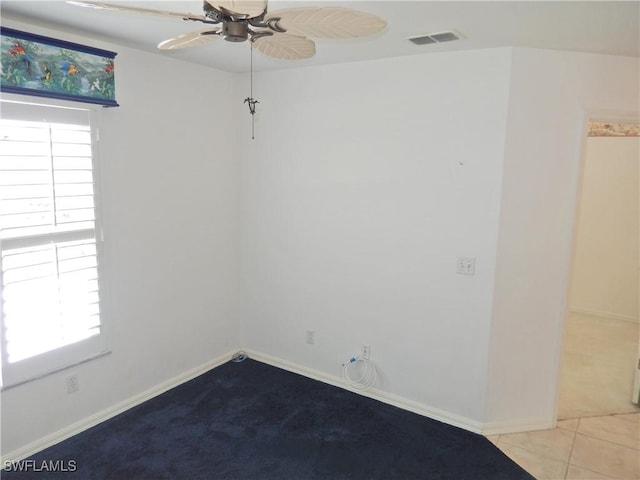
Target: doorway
column 602, row 326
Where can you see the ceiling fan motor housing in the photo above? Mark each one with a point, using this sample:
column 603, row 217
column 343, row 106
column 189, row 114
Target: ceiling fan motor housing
column 235, row 31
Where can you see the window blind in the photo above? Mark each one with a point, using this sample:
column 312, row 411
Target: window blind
column 50, row 274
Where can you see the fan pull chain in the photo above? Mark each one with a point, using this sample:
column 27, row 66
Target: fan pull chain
column 250, row 100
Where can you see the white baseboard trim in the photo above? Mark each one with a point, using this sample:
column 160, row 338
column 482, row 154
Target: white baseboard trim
column 607, row 315
column 99, row 417
column 499, row 428
column 385, row 397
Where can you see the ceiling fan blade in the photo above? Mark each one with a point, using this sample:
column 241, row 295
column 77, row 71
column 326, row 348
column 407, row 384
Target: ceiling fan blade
column 328, row 22
column 251, row 8
column 191, row 39
column 286, row 47
column 148, row 11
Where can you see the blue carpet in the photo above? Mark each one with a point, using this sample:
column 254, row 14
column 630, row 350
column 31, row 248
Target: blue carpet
column 250, row 420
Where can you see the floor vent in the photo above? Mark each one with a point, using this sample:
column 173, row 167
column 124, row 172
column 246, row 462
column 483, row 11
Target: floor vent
column 439, row 37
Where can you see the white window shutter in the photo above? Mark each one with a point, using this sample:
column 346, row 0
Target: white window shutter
column 50, row 262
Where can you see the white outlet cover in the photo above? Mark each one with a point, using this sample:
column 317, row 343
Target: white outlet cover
column 72, row 384
column 311, row 337
column 466, row 266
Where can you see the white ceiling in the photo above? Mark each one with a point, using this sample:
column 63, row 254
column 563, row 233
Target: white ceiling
column 608, row 27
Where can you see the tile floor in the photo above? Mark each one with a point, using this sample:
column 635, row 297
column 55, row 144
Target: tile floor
column 605, row 447
column 598, row 434
column 598, row 365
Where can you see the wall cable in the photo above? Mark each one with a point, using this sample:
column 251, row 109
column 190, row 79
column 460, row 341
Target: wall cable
column 239, row 357
column 367, row 376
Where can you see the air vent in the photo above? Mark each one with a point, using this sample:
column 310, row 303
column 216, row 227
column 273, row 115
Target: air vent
column 439, row 37
column 426, row 40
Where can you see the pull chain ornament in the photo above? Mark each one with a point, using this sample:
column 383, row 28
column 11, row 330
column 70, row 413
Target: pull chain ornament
column 250, row 100
column 252, row 110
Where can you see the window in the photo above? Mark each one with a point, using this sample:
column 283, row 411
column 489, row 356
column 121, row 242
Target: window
column 49, row 248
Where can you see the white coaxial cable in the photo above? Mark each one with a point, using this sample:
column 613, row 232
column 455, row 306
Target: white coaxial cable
column 367, row 377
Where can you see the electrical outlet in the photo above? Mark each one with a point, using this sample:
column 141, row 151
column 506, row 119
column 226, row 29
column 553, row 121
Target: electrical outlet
column 366, row 351
column 72, row 383
column 466, row 266
column 311, row 337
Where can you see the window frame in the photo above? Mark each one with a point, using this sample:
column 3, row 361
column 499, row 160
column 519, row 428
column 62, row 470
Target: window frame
column 97, row 346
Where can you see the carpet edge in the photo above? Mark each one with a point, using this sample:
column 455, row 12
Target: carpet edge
column 384, row 397
column 110, row 412
column 474, row 426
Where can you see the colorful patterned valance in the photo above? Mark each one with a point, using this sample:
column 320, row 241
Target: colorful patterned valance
column 46, row 67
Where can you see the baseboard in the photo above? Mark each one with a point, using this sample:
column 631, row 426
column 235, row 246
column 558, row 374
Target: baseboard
column 385, row 397
column 99, row 417
column 499, row 428
column 607, row 315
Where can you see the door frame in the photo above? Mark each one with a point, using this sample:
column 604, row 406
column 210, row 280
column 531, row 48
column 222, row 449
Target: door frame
column 588, row 116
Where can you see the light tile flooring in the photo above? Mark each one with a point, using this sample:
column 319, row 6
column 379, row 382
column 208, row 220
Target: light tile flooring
column 606, row 447
column 598, row 363
column 598, row 434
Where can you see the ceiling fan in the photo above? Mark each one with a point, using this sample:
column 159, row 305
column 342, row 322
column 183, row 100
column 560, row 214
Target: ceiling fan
column 281, row 34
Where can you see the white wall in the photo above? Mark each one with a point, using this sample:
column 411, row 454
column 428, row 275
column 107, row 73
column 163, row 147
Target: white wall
column 171, row 234
column 364, row 184
column 551, row 96
column 605, row 271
